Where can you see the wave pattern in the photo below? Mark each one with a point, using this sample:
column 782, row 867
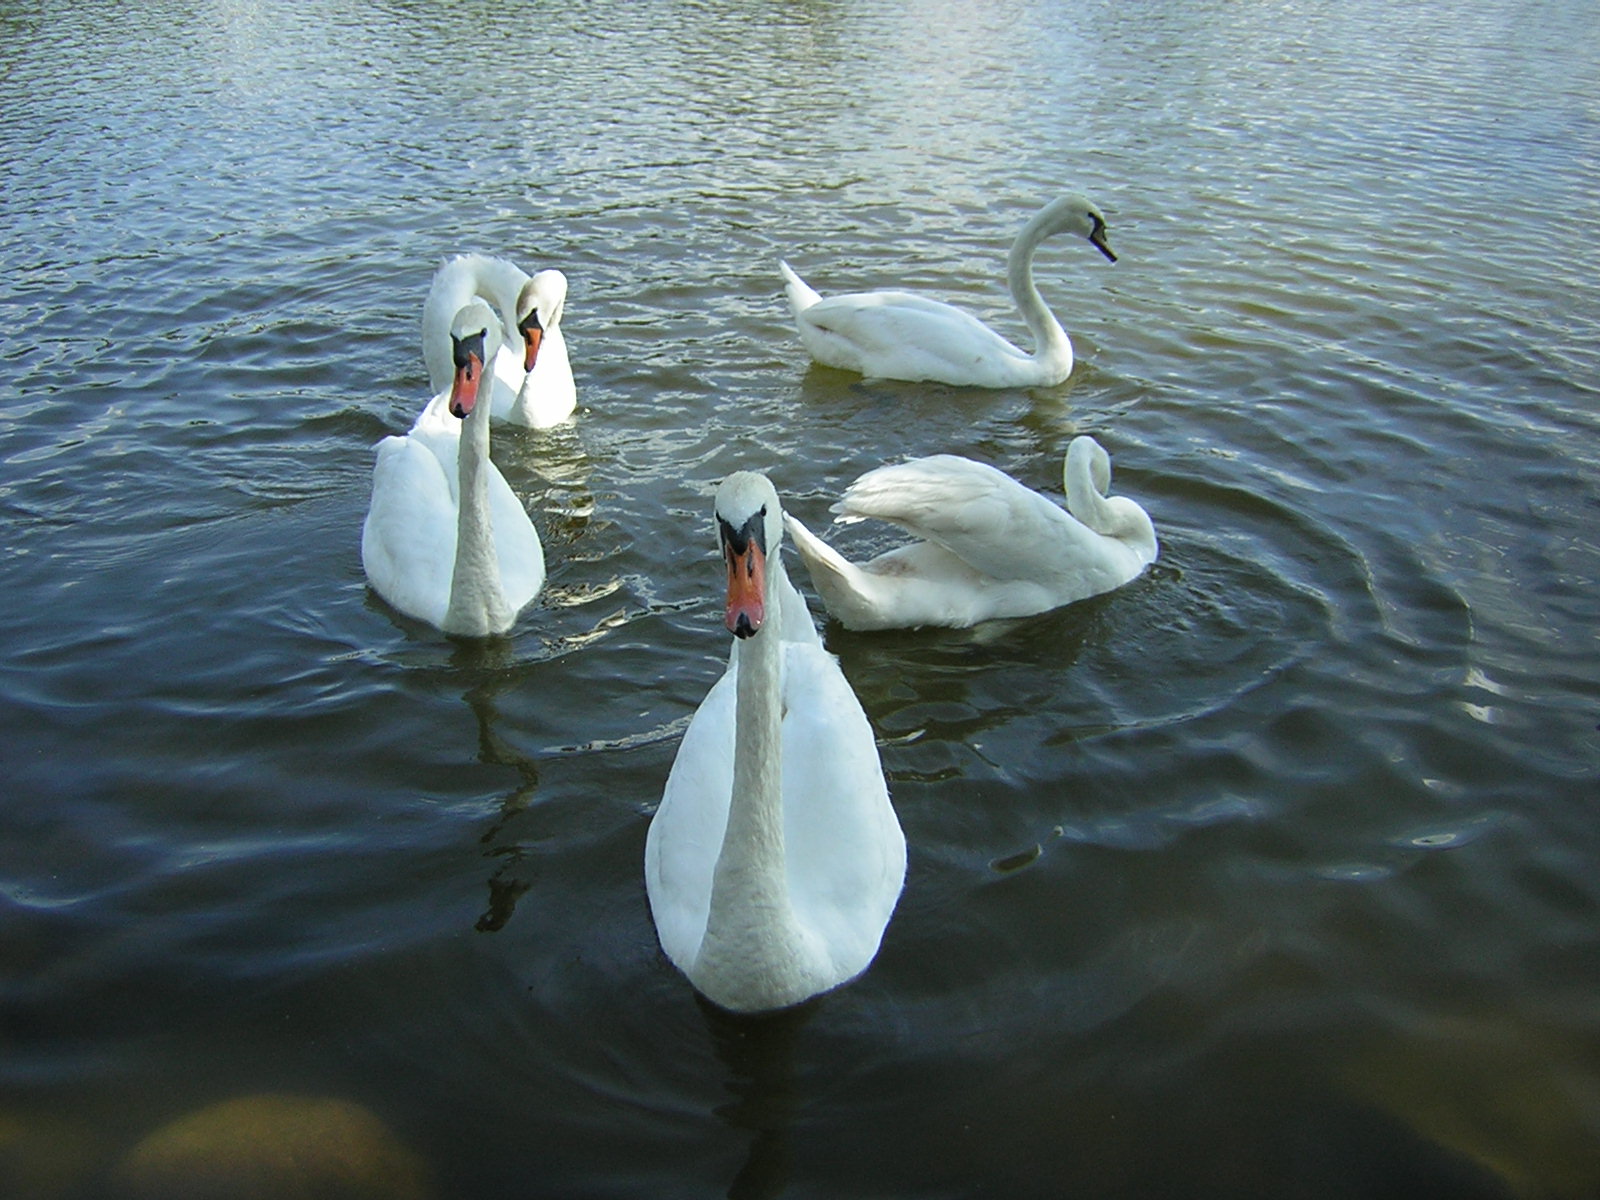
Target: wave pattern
column 1271, row 873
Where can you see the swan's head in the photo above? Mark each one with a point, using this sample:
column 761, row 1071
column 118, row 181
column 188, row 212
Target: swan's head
column 474, row 341
column 1077, row 214
column 539, row 306
column 750, row 527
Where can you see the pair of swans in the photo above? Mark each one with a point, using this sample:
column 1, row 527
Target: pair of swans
column 775, row 860
column 901, row 335
column 445, row 539
column 534, row 387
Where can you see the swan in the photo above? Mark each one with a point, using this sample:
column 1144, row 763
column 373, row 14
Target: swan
column 900, row 335
column 445, row 539
column 534, row 388
column 774, row 860
column 990, row 547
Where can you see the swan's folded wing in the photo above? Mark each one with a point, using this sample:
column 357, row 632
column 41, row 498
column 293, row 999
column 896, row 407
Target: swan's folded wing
column 847, row 854
column 517, row 547
column 903, row 335
column 408, row 539
column 685, row 835
column 979, row 514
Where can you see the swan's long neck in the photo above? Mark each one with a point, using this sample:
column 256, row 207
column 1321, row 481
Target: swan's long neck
column 477, row 601
column 752, row 944
column 454, row 285
column 1052, row 346
column 1087, row 475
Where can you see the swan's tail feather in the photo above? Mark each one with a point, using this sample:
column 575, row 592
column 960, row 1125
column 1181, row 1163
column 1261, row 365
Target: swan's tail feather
column 839, row 582
column 801, row 295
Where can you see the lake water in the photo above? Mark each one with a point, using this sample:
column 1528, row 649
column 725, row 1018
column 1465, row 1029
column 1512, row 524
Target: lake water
column 1276, row 873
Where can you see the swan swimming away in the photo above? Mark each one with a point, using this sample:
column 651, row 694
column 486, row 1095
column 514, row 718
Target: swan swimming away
column 775, row 859
column 445, row 539
column 533, row 388
column 900, row 335
column 989, row 547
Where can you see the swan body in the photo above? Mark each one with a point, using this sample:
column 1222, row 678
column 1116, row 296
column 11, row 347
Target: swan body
column 775, row 859
column 988, row 546
column 446, row 540
column 900, row 335
column 533, row 387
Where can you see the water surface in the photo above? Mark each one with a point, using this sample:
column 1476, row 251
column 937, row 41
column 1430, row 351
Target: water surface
column 1274, row 873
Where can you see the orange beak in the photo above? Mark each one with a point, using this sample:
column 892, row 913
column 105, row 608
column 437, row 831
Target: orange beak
column 747, row 588
column 464, row 388
column 531, row 337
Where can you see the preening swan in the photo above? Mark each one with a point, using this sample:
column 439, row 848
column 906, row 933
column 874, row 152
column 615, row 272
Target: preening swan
column 445, row 539
column 991, row 547
column 533, row 387
column 900, row 335
column 775, row 859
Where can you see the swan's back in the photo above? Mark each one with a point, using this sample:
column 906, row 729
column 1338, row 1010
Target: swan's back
column 988, row 547
column 901, row 335
column 988, row 520
column 846, row 851
column 408, row 540
column 843, row 845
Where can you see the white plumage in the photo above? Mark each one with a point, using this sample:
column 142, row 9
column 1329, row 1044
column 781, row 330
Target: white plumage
column 445, row 539
column 775, row 859
column 530, row 310
column 900, row 335
column 988, row 546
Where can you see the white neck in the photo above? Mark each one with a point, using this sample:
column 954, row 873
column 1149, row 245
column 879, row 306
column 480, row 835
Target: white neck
column 1087, row 475
column 477, row 601
column 1052, row 346
column 455, row 285
column 753, row 948
column 537, row 382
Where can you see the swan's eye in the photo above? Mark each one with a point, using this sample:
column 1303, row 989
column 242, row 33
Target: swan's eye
column 737, row 543
column 468, row 348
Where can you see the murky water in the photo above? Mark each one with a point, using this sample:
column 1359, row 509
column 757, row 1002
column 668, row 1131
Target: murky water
column 1275, row 873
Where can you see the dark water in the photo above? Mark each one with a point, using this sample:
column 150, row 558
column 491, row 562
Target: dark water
column 1276, row 873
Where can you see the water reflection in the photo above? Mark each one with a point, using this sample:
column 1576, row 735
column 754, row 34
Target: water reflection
column 1320, row 781
column 758, row 1054
column 505, row 886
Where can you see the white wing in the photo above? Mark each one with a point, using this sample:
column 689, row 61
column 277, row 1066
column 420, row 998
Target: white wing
column 846, row 851
column 408, row 542
column 900, row 335
column 981, row 515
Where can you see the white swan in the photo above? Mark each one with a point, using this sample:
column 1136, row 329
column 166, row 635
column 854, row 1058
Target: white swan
column 775, row 859
column 900, row 335
column 533, row 388
column 445, row 539
column 992, row 548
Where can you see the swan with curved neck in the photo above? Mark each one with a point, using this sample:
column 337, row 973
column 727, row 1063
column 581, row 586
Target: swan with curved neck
column 989, row 547
column 775, row 859
column 901, row 335
column 533, row 387
column 445, row 539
